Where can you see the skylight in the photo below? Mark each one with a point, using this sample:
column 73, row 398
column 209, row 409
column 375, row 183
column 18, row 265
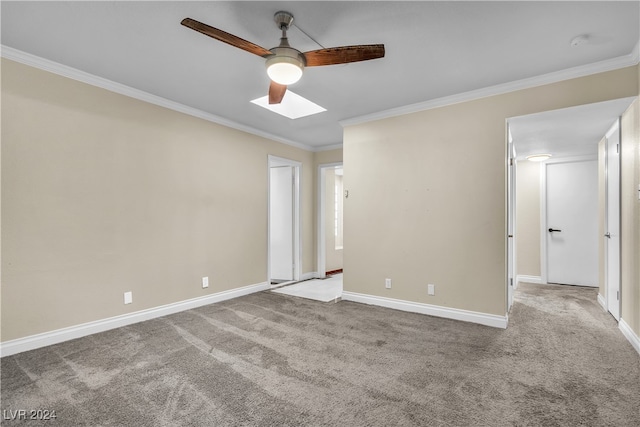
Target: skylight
column 292, row 106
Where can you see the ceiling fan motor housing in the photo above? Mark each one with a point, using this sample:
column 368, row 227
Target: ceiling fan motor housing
column 284, row 52
column 286, row 64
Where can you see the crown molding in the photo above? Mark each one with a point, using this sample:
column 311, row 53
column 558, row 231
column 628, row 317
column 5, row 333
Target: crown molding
column 63, row 70
column 91, row 79
column 570, row 73
column 327, row 148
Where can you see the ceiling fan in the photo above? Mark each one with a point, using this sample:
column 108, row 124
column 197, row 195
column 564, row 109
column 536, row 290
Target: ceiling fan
column 284, row 63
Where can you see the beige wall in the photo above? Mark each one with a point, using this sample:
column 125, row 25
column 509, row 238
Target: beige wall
column 326, row 157
column 630, row 213
column 528, row 218
column 427, row 194
column 103, row 194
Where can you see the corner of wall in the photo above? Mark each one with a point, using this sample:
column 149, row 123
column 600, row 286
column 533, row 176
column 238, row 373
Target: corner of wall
column 602, row 301
column 630, row 220
column 629, row 334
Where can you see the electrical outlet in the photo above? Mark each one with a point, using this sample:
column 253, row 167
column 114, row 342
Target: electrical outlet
column 387, row 283
column 431, row 289
column 128, row 297
column 205, row 282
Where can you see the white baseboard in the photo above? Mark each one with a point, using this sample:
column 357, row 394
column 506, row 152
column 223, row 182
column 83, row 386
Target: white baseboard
column 602, row 302
column 432, row 310
column 32, row 342
column 629, row 334
column 529, row 279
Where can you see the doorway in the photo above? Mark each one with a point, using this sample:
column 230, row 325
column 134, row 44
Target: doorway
column 567, row 134
column 283, row 231
column 330, row 207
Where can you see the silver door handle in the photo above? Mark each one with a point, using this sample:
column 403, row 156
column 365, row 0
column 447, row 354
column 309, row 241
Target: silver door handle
column 551, row 230
column 607, row 235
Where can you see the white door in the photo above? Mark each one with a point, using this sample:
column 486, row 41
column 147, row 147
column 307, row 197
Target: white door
column 612, row 223
column 281, row 231
column 572, row 223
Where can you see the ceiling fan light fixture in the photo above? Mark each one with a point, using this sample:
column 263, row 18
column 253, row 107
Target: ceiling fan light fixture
column 285, row 67
column 284, row 70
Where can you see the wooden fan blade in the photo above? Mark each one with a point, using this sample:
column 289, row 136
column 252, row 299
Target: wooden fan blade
column 344, row 54
column 225, row 37
column 276, row 92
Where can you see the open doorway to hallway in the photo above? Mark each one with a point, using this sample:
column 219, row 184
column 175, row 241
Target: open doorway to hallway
column 327, row 286
column 330, row 220
column 284, row 256
column 554, row 245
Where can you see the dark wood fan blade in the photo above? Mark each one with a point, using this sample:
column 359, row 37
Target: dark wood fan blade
column 344, row 54
column 276, row 92
column 225, row 37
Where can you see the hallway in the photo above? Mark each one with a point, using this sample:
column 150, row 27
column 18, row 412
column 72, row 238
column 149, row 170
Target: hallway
column 325, row 290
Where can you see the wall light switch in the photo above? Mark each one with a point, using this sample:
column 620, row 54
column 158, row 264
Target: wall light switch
column 205, row 282
column 128, row 297
column 387, row 283
column 431, row 289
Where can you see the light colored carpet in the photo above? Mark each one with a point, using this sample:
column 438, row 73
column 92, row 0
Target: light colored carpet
column 273, row 360
column 325, row 290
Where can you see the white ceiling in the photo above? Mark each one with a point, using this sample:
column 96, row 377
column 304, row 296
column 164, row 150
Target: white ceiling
column 433, row 50
column 567, row 132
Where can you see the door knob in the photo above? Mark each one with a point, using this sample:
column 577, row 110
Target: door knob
column 551, row 230
column 607, row 235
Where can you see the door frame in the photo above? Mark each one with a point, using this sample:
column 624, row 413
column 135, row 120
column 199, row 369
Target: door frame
column 275, row 161
column 321, row 246
column 512, row 273
column 617, row 126
column 543, row 206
